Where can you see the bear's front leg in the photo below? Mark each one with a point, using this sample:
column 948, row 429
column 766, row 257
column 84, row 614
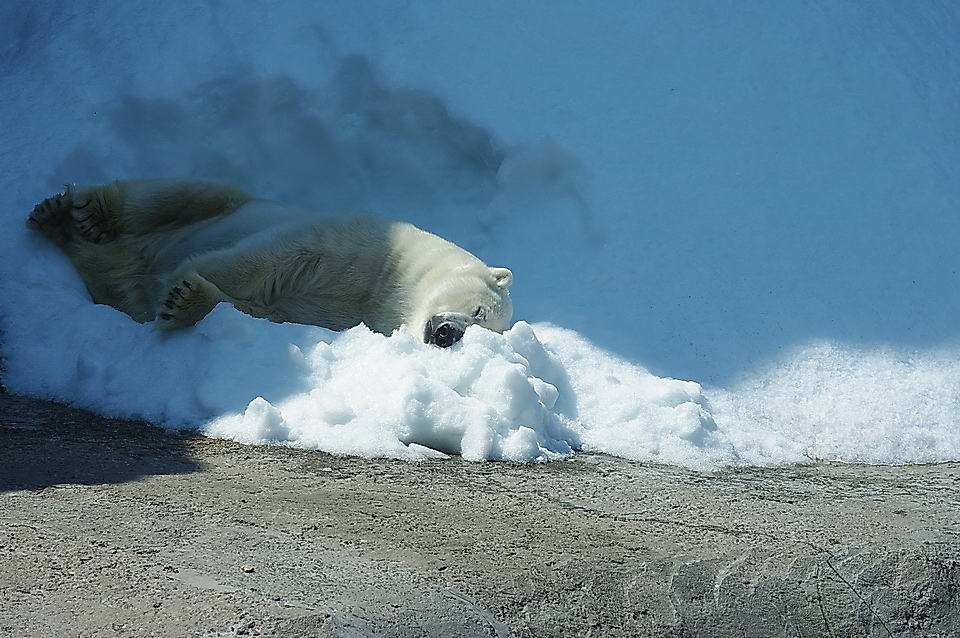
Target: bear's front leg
column 189, row 299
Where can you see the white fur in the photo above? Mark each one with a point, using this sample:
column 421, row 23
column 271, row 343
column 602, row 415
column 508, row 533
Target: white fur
column 172, row 249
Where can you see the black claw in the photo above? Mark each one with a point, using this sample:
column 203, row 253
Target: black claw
column 169, row 304
column 165, row 316
column 187, row 284
column 178, row 290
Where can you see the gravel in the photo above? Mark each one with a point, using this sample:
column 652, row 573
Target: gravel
column 119, row 528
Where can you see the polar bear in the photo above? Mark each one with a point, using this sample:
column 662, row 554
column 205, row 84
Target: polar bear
column 170, row 250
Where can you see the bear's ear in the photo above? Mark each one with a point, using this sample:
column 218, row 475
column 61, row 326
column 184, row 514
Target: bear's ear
column 503, row 277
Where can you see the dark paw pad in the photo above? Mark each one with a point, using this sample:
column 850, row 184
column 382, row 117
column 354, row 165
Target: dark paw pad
column 51, row 217
column 88, row 222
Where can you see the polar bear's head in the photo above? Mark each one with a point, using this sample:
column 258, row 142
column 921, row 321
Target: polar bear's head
column 468, row 298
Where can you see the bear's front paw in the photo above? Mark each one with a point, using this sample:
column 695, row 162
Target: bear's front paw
column 187, row 302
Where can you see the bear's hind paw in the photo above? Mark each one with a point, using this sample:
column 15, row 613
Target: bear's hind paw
column 70, row 215
column 89, row 222
column 51, row 218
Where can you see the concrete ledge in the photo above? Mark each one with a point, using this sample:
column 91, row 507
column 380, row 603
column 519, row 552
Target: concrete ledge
column 116, row 528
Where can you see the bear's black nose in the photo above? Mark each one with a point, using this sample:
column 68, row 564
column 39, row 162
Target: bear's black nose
column 443, row 331
column 447, row 334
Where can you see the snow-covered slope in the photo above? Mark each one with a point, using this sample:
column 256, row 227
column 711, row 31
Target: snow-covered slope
column 762, row 199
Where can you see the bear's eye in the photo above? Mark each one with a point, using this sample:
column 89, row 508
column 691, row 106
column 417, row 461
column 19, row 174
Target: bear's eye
column 478, row 313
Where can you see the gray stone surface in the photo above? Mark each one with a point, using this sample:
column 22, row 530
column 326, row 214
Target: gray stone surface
column 116, row 528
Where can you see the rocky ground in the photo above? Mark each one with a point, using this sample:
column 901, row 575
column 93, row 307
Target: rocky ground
column 117, row 528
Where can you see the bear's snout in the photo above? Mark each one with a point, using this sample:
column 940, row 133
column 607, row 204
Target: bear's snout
column 444, row 330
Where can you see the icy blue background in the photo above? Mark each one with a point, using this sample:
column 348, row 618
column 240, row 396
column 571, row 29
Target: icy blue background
column 712, row 192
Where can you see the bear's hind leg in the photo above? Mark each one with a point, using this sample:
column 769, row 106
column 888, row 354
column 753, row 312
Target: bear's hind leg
column 52, row 218
column 82, row 212
column 96, row 211
column 187, row 301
